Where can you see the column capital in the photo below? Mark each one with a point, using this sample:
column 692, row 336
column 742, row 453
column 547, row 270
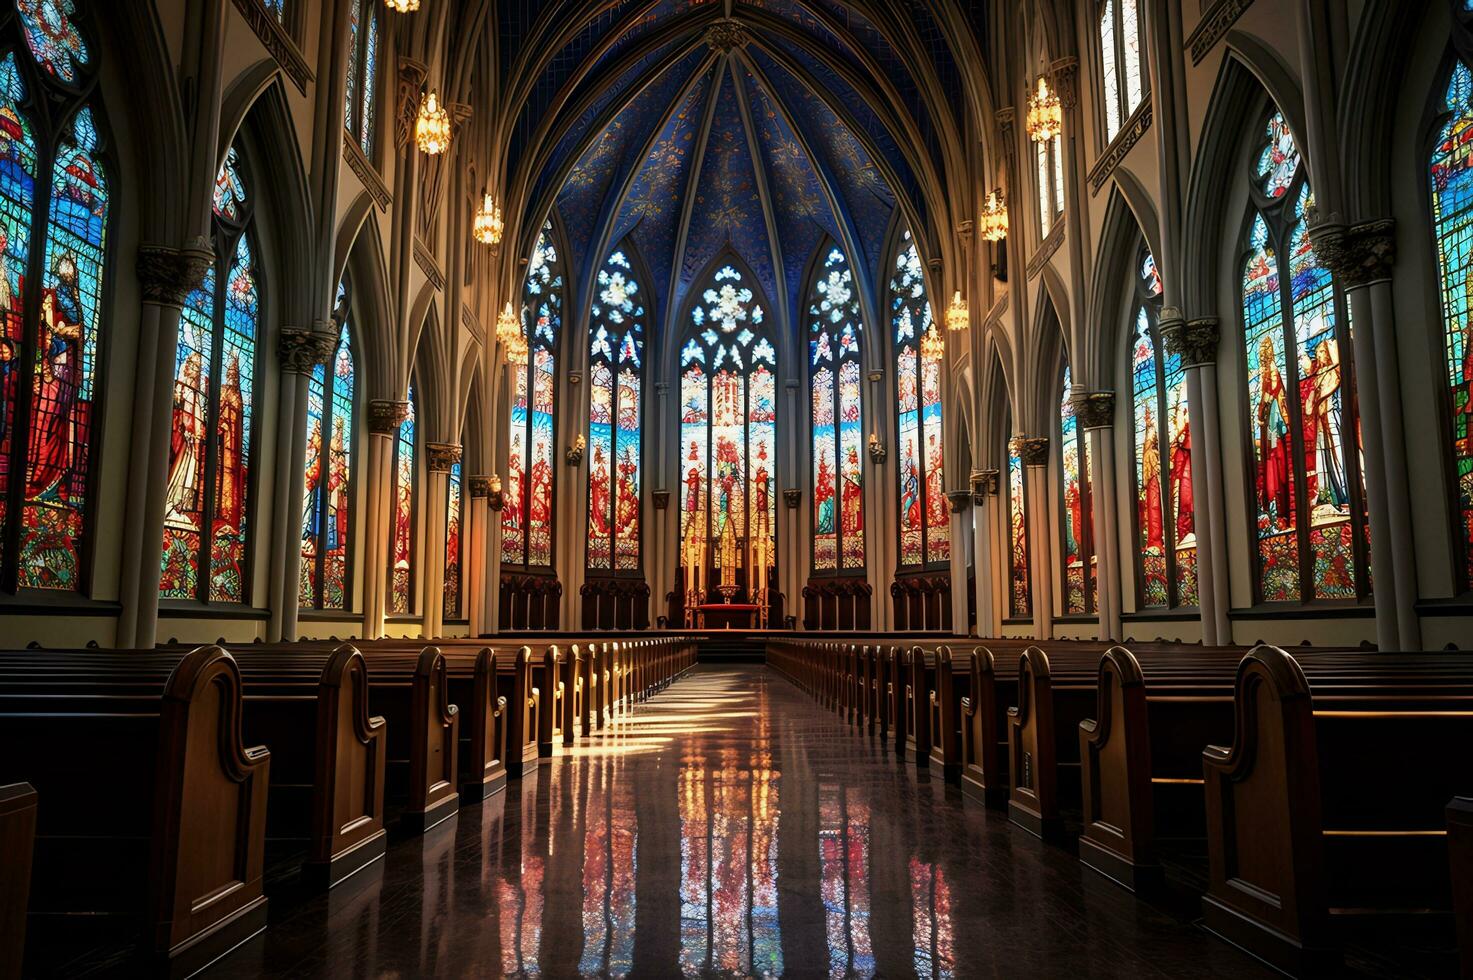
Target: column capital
column 1095, row 409
column 1195, row 340
column 1358, row 254
column 384, row 416
column 1032, row 449
column 440, row 456
column 985, row 483
column 167, row 274
column 479, row 486
column 959, row 500
column 792, row 497
column 299, row 350
column 1065, row 72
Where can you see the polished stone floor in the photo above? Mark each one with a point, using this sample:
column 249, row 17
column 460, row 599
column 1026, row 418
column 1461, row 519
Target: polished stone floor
column 729, row 827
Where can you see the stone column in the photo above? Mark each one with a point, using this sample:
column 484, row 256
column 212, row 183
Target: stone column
column 660, row 564
column 961, row 544
column 298, row 351
column 985, row 485
column 477, row 516
column 793, row 556
column 1196, row 343
column 166, row 276
column 1361, row 257
column 384, row 417
column 1096, row 414
column 1035, row 453
column 439, row 457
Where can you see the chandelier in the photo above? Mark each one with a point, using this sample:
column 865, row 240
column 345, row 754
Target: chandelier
column 509, row 335
column 487, row 226
column 994, row 217
column 1045, row 114
column 432, row 128
column 402, row 6
column 932, row 346
column 957, row 315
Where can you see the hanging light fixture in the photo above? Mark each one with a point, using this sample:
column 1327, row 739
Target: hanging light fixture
column 932, row 346
column 994, row 217
column 1045, row 114
column 517, row 351
column 432, row 128
column 402, row 6
column 487, row 225
column 507, row 325
column 958, row 317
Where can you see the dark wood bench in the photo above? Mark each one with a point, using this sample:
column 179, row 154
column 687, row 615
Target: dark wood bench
column 17, row 842
column 1460, row 870
column 150, row 807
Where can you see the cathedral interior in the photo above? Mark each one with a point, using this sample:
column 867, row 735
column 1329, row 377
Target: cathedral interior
column 736, row 487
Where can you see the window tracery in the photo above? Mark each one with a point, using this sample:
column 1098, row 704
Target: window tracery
column 925, row 523
column 834, row 364
column 616, row 381
column 327, row 490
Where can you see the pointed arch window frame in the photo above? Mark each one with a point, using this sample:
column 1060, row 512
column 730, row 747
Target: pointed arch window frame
column 344, row 319
column 51, row 108
column 413, row 442
column 366, row 57
column 1277, row 211
column 1086, row 543
column 226, row 235
column 1115, row 110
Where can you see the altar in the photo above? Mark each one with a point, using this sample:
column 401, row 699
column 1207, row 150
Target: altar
column 728, row 615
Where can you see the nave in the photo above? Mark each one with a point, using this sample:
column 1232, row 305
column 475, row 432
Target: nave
column 727, row 827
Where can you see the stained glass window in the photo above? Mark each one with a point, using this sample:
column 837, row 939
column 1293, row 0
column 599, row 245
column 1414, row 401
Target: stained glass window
column 925, row 522
column 401, row 551
column 276, row 8
column 1020, row 590
column 526, row 518
column 52, row 35
column 1077, row 524
column 327, row 490
column 1309, row 511
column 1049, row 159
column 834, row 334
column 1121, row 47
column 453, row 500
column 363, row 61
column 616, row 381
column 1166, row 540
column 50, row 394
column 207, row 496
column 728, row 424
column 1452, row 216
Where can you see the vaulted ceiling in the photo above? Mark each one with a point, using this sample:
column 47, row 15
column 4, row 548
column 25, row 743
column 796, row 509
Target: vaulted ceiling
column 766, row 126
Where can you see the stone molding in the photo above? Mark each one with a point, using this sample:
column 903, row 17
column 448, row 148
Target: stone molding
column 278, row 42
column 1034, row 450
column 1359, row 254
column 1120, row 147
column 1195, row 341
column 1213, row 25
column 412, row 75
column 959, row 500
column 298, row 351
column 384, row 416
column 479, row 486
column 1065, row 72
column 727, row 34
column 985, row 483
column 167, row 275
column 366, row 173
column 427, row 264
column 1046, row 251
column 440, row 456
column 1096, row 409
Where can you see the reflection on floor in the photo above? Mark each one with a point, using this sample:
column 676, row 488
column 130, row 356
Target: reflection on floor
column 729, row 828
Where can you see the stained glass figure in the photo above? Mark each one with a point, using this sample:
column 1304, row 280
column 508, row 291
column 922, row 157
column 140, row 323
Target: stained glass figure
column 1166, row 540
column 1121, row 46
column 453, row 501
column 616, row 374
column 1451, row 172
column 1077, row 523
column 1020, row 588
column 327, row 490
column 359, row 105
column 728, row 396
column 834, row 334
column 206, row 498
column 401, row 550
column 925, row 522
column 53, row 37
column 526, row 518
column 1309, row 510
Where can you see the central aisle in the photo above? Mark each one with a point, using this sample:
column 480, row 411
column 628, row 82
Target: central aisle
column 730, row 827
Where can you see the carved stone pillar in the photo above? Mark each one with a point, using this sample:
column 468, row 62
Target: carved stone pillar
column 166, row 276
column 1034, row 451
column 1196, row 342
column 298, row 351
column 1096, row 413
column 1361, row 257
column 384, row 417
column 985, row 485
column 439, row 457
column 477, row 517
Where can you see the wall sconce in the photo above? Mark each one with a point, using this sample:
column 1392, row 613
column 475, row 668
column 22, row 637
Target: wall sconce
column 575, row 451
column 495, row 497
column 876, row 449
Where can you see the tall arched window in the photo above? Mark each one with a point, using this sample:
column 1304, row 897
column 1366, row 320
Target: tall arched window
column 1166, row 539
column 54, row 215
column 327, row 491
column 207, row 497
column 401, row 552
column 1020, row 588
column 616, row 381
column 925, row 523
column 728, row 420
column 1077, row 526
column 1121, row 46
column 835, row 331
column 359, row 110
column 1309, row 513
column 526, row 519
column 453, row 498
column 1451, row 169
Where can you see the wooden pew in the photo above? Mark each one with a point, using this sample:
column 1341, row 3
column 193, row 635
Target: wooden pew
column 17, row 842
column 1330, row 802
column 1460, row 870
column 951, row 688
column 423, row 743
column 151, row 805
